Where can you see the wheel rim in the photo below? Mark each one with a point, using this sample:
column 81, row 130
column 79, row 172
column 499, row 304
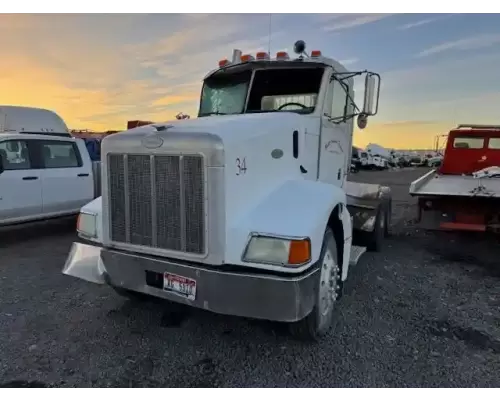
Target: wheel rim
column 328, row 283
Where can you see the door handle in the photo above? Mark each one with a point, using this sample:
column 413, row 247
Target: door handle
column 80, row 175
column 30, row 178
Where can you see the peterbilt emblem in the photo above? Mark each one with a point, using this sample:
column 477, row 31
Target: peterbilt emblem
column 152, row 141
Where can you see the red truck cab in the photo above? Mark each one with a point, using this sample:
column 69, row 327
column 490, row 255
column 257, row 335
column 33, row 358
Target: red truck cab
column 471, row 148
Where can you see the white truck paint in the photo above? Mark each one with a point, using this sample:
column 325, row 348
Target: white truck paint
column 44, row 172
column 277, row 237
column 370, row 161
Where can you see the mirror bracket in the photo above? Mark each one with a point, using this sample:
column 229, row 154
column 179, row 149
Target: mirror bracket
column 342, row 76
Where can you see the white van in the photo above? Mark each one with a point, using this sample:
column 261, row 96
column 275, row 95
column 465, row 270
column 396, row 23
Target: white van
column 44, row 171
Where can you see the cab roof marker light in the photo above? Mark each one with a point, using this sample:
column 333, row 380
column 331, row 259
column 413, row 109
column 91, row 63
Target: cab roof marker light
column 262, row 55
column 282, row 55
column 247, row 58
column 315, row 54
column 223, row 63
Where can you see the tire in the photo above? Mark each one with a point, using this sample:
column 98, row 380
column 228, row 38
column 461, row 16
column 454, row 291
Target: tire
column 318, row 323
column 375, row 238
column 388, row 218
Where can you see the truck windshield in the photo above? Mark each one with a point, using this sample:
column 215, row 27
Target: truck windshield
column 225, row 94
column 272, row 90
column 285, row 89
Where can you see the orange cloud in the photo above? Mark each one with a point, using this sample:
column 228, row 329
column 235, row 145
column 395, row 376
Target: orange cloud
column 176, row 99
column 93, row 81
column 402, row 135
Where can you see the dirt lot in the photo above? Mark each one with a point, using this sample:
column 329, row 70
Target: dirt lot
column 424, row 312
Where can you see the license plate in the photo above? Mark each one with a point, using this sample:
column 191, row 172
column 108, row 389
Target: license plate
column 179, row 285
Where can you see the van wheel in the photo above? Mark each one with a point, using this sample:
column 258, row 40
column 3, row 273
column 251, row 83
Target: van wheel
column 319, row 321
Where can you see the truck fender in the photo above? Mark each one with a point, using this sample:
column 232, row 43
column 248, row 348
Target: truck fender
column 346, row 241
column 298, row 208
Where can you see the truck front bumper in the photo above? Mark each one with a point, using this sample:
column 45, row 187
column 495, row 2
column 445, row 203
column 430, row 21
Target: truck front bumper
column 245, row 294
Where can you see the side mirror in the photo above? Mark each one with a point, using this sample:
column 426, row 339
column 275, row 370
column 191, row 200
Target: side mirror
column 372, row 92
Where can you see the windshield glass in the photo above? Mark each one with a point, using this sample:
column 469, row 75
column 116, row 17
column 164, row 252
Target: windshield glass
column 225, row 94
column 272, row 90
column 285, row 89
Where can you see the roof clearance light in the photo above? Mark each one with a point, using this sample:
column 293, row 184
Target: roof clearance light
column 247, row 58
column 262, row 55
column 316, row 53
column 223, row 63
column 282, row 55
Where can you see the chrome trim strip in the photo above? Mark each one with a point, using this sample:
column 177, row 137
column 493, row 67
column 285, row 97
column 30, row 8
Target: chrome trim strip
column 182, row 202
column 152, row 176
column 127, row 197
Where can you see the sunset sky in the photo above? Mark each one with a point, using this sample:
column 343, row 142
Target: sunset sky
column 98, row 71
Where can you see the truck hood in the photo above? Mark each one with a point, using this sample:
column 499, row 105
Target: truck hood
column 231, row 127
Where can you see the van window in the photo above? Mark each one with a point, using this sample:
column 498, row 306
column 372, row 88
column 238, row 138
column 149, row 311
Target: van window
column 60, row 155
column 15, row 155
column 468, row 143
column 494, row 143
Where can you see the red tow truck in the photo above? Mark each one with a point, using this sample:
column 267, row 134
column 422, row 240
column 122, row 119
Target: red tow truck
column 464, row 192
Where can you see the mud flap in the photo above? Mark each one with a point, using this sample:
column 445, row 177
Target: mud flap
column 356, row 253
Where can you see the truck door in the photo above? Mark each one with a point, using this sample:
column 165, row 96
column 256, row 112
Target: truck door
column 335, row 137
column 20, row 183
column 67, row 180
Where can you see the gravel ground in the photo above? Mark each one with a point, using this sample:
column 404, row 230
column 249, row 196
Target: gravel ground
column 424, row 312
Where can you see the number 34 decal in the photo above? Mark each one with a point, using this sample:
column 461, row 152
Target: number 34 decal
column 241, row 166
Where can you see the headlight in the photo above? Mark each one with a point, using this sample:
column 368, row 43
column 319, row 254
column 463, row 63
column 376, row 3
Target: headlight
column 87, row 225
column 278, row 251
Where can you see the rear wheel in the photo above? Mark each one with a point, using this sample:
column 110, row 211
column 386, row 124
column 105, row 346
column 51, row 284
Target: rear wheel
column 319, row 321
column 376, row 237
column 388, row 215
column 373, row 240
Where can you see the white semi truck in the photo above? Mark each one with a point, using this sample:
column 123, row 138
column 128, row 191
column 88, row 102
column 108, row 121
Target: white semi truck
column 245, row 210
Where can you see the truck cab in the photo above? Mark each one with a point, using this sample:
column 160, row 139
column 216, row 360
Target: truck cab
column 471, row 148
column 245, row 209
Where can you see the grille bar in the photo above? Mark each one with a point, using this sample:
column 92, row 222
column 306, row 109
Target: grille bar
column 183, row 201
column 157, row 201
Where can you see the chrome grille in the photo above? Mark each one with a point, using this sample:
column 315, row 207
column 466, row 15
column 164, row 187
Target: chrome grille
column 157, row 201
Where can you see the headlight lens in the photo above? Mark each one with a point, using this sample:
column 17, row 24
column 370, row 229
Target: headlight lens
column 87, row 225
column 278, row 251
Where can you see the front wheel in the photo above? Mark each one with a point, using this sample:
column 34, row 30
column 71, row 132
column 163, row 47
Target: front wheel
column 319, row 321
